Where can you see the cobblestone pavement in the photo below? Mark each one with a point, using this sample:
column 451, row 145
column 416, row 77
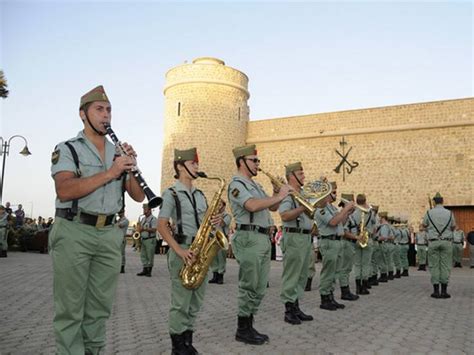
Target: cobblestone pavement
column 396, row 318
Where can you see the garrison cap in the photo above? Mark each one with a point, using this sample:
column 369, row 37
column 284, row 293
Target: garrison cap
column 390, row 218
column 375, row 208
column 145, row 206
column 438, row 195
column 96, row 94
column 2, row 207
column 245, row 150
column 384, row 215
column 293, row 167
column 348, row 197
column 187, row 154
column 333, row 185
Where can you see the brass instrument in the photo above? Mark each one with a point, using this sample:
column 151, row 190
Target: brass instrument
column 303, row 199
column 429, row 201
column 206, row 244
column 400, row 225
column 363, row 233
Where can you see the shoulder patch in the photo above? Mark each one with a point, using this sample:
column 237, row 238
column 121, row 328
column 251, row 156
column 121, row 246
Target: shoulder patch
column 235, row 192
column 55, row 156
column 322, row 211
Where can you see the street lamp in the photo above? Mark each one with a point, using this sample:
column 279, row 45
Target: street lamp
column 5, row 151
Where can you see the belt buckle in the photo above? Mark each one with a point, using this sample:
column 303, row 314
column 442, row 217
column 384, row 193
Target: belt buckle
column 101, row 218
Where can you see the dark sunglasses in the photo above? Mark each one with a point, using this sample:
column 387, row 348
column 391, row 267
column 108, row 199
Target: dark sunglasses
column 255, row 160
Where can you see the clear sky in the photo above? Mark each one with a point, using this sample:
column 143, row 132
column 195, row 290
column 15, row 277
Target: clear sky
column 301, row 58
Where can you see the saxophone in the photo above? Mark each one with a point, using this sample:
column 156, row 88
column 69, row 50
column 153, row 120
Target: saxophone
column 206, row 244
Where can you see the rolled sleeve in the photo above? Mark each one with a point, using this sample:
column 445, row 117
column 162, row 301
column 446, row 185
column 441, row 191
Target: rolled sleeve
column 285, row 205
column 168, row 206
column 65, row 161
column 240, row 197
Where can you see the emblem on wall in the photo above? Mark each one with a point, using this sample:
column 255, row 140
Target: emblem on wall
column 345, row 164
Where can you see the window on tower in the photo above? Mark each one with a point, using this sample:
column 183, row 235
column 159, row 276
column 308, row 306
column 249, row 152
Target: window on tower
column 179, row 109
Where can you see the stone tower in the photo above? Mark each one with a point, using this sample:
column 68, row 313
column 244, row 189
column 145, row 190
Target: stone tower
column 205, row 107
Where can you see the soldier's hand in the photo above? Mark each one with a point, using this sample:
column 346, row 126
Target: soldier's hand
column 217, row 219
column 121, row 164
column 284, row 191
column 187, row 256
column 350, row 207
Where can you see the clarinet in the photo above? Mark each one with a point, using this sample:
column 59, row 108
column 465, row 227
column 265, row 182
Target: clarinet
column 153, row 200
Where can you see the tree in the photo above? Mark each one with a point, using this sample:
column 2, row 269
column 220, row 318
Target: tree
column 3, row 86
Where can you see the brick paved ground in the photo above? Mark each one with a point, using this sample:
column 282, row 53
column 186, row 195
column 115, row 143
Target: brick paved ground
column 397, row 318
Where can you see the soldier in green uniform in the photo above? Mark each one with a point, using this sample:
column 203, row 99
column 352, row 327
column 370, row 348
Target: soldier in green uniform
column 390, row 249
column 347, row 253
column 123, row 224
column 384, row 241
column 458, row 246
column 404, row 246
column 147, row 228
column 185, row 206
column 330, row 223
column 3, row 232
column 296, row 246
column 440, row 225
column 396, row 241
column 312, row 258
column 251, row 244
column 363, row 256
column 376, row 256
column 422, row 247
column 84, row 242
column 218, row 265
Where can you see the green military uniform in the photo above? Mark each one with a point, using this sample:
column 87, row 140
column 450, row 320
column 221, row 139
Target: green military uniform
column 185, row 303
column 311, row 264
column 404, row 246
column 123, row 224
column 329, row 246
column 218, row 265
column 376, row 250
column 384, row 242
column 440, row 223
column 148, row 239
column 363, row 256
column 396, row 254
column 85, row 247
column 458, row 247
column 422, row 249
column 3, row 232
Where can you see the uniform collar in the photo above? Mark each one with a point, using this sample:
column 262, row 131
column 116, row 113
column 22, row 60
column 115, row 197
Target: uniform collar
column 179, row 186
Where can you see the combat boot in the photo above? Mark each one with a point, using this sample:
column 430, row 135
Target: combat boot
column 3, row 253
column 334, row 302
column 309, row 281
column 144, row 271
column 326, row 303
column 367, row 284
column 177, row 345
column 290, row 314
column 188, row 342
column 122, row 269
column 264, row 336
column 398, row 274
column 435, row 293
column 220, row 279
column 444, row 291
column 301, row 315
column 405, row 272
column 347, row 295
column 245, row 334
column 420, row 267
column 364, row 288
column 383, row 277
column 214, row 278
column 390, row 275
column 148, row 273
column 374, row 281
column 358, row 286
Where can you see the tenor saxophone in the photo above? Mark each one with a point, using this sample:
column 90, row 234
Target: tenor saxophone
column 206, row 244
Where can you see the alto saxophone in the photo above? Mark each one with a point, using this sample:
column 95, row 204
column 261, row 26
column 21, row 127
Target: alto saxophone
column 206, row 244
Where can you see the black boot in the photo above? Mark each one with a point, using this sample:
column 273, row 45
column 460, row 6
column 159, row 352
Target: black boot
column 364, row 288
column 420, row 267
column 358, row 286
column 390, row 275
column 188, row 342
column 424, row 267
column 309, row 281
column 220, row 279
column 264, row 336
column 290, row 314
column 245, row 334
column 334, row 302
column 122, row 269
column 214, row 278
column 3, row 253
column 405, row 272
column 444, row 291
column 301, row 315
column 326, row 303
column 144, row 271
column 367, row 285
column 148, row 273
column 435, row 293
column 383, row 278
column 374, row 281
column 398, row 274
column 178, row 346
column 347, row 295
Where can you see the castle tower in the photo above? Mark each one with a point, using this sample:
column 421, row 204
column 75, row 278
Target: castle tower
column 206, row 107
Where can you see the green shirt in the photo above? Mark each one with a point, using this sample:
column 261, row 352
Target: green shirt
column 106, row 199
column 404, row 236
column 458, row 236
column 227, row 220
column 242, row 189
column 123, row 224
column 323, row 216
column 185, row 196
column 421, row 238
column 148, row 222
column 384, row 232
column 4, row 220
column 441, row 217
column 370, row 221
column 351, row 226
column 289, row 203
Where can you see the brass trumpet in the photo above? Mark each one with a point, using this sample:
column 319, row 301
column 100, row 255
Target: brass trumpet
column 363, row 233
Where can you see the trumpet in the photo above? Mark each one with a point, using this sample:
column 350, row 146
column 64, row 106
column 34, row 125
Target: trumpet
column 363, row 233
column 153, row 200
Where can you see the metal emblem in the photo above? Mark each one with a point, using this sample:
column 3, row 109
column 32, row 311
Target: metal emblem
column 344, row 160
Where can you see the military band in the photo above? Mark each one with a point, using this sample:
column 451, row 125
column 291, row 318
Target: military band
column 147, row 228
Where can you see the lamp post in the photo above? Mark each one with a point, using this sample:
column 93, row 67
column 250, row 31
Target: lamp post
column 5, row 151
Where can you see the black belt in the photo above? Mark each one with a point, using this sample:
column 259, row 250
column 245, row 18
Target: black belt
column 330, row 237
column 458, row 242
column 432, row 240
column 297, row 230
column 251, row 227
column 98, row 221
column 422, row 245
column 148, row 238
column 403, row 243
